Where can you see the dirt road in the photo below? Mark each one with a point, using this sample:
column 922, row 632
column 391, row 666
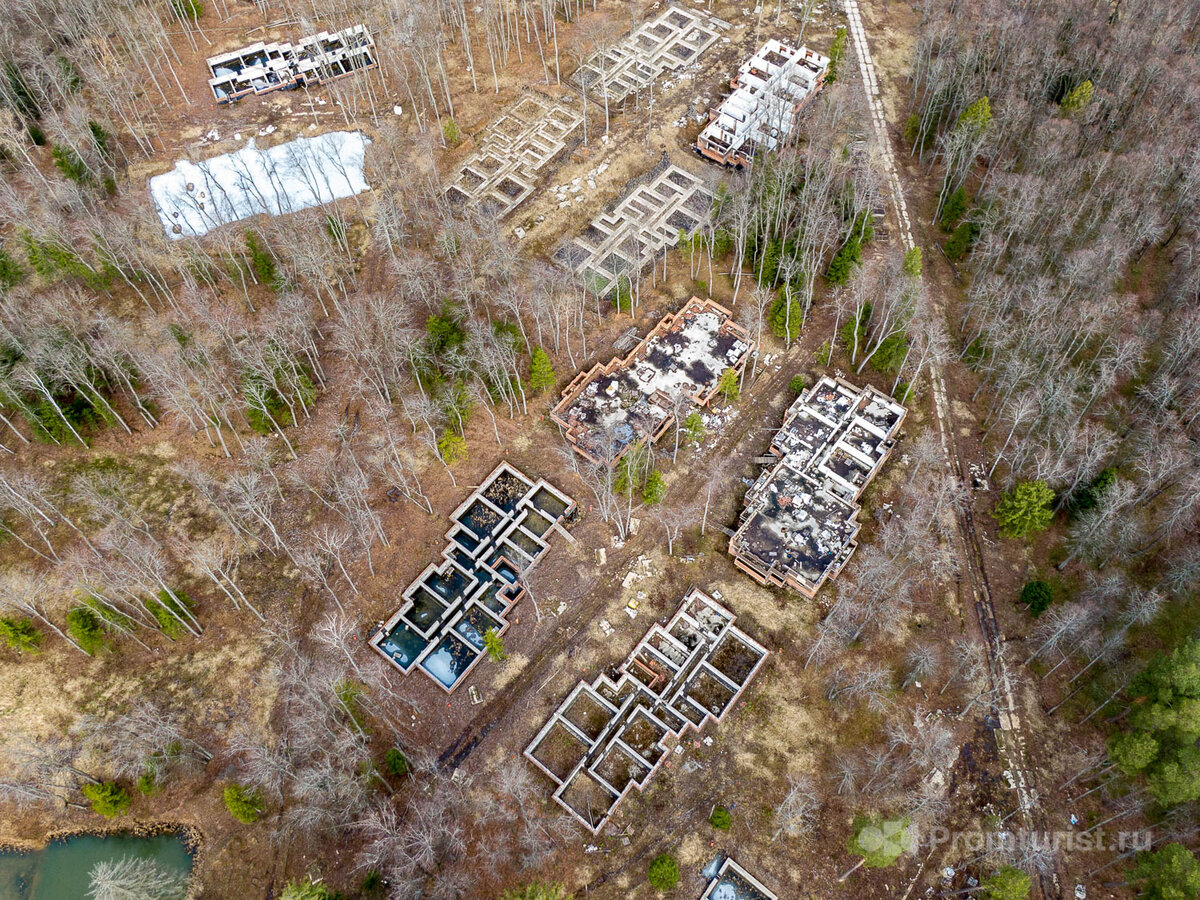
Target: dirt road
column 1012, row 735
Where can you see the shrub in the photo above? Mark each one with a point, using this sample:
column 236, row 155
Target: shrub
column 889, row 356
column 664, row 872
column 264, row 404
column 623, row 295
column 798, row 384
column 261, row 261
column 70, row 163
column 854, row 329
column 188, row 9
column 837, row 50
column 149, row 782
column 825, row 353
column 962, row 240
column 87, row 630
column 348, row 691
column 20, row 634
column 493, row 644
column 1088, row 496
column 912, row 263
column 107, row 798
column 102, row 139
column 19, row 94
column 372, row 883
column 444, row 332
column 1008, row 883
column 768, row 264
column 244, row 804
column 1025, row 509
column 1076, row 98
column 953, row 210
column 541, row 371
column 71, row 79
column 879, row 841
column 729, row 386
column 12, row 272
column 168, row 607
column 395, row 762
column 850, row 254
column 844, row 261
column 693, row 427
column 654, row 489
column 1037, row 595
column 785, row 318
column 451, row 133
column 721, row 819
column 452, row 447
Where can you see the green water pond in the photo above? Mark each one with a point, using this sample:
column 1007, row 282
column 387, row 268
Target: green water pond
column 60, row 870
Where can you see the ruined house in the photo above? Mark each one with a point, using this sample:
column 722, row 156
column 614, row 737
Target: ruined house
column 499, row 532
column 644, row 224
column 770, row 90
column 264, row 67
column 675, row 38
column 610, row 736
column 503, row 173
column 801, row 516
column 612, row 407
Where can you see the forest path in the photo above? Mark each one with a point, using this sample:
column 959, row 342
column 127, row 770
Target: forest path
column 1012, row 736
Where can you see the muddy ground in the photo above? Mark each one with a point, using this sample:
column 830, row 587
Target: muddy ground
column 781, row 728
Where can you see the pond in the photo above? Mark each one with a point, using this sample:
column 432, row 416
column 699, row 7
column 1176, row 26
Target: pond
column 60, row 871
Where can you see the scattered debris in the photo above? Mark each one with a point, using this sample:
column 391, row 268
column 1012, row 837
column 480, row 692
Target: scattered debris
column 801, row 515
column 609, row 408
column 264, row 67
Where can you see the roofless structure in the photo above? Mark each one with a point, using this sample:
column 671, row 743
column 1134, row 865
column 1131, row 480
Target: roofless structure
column 498, row 532
column 264, row 67
column 609, row 737
column 770, row 90
column 801, row 515
column 612, row 407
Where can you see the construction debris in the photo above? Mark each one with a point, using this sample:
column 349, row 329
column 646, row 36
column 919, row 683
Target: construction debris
column 264, row 67
column 609, row 408
column 801, row 515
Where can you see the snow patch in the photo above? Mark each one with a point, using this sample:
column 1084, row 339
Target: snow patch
column 195, row 198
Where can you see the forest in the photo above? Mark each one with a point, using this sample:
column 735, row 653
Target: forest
column 224, row 455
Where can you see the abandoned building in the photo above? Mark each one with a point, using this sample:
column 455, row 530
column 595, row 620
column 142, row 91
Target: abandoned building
column 503, row 172
column 264, row 67
column 675, row 38
column 770, row 90
column 611, row 407
column 801, row 515
column 644, row 224
column 609, row 736
column 729, row 881
column 497, row 534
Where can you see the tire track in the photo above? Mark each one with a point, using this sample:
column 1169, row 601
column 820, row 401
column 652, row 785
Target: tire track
column 1012, row 735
